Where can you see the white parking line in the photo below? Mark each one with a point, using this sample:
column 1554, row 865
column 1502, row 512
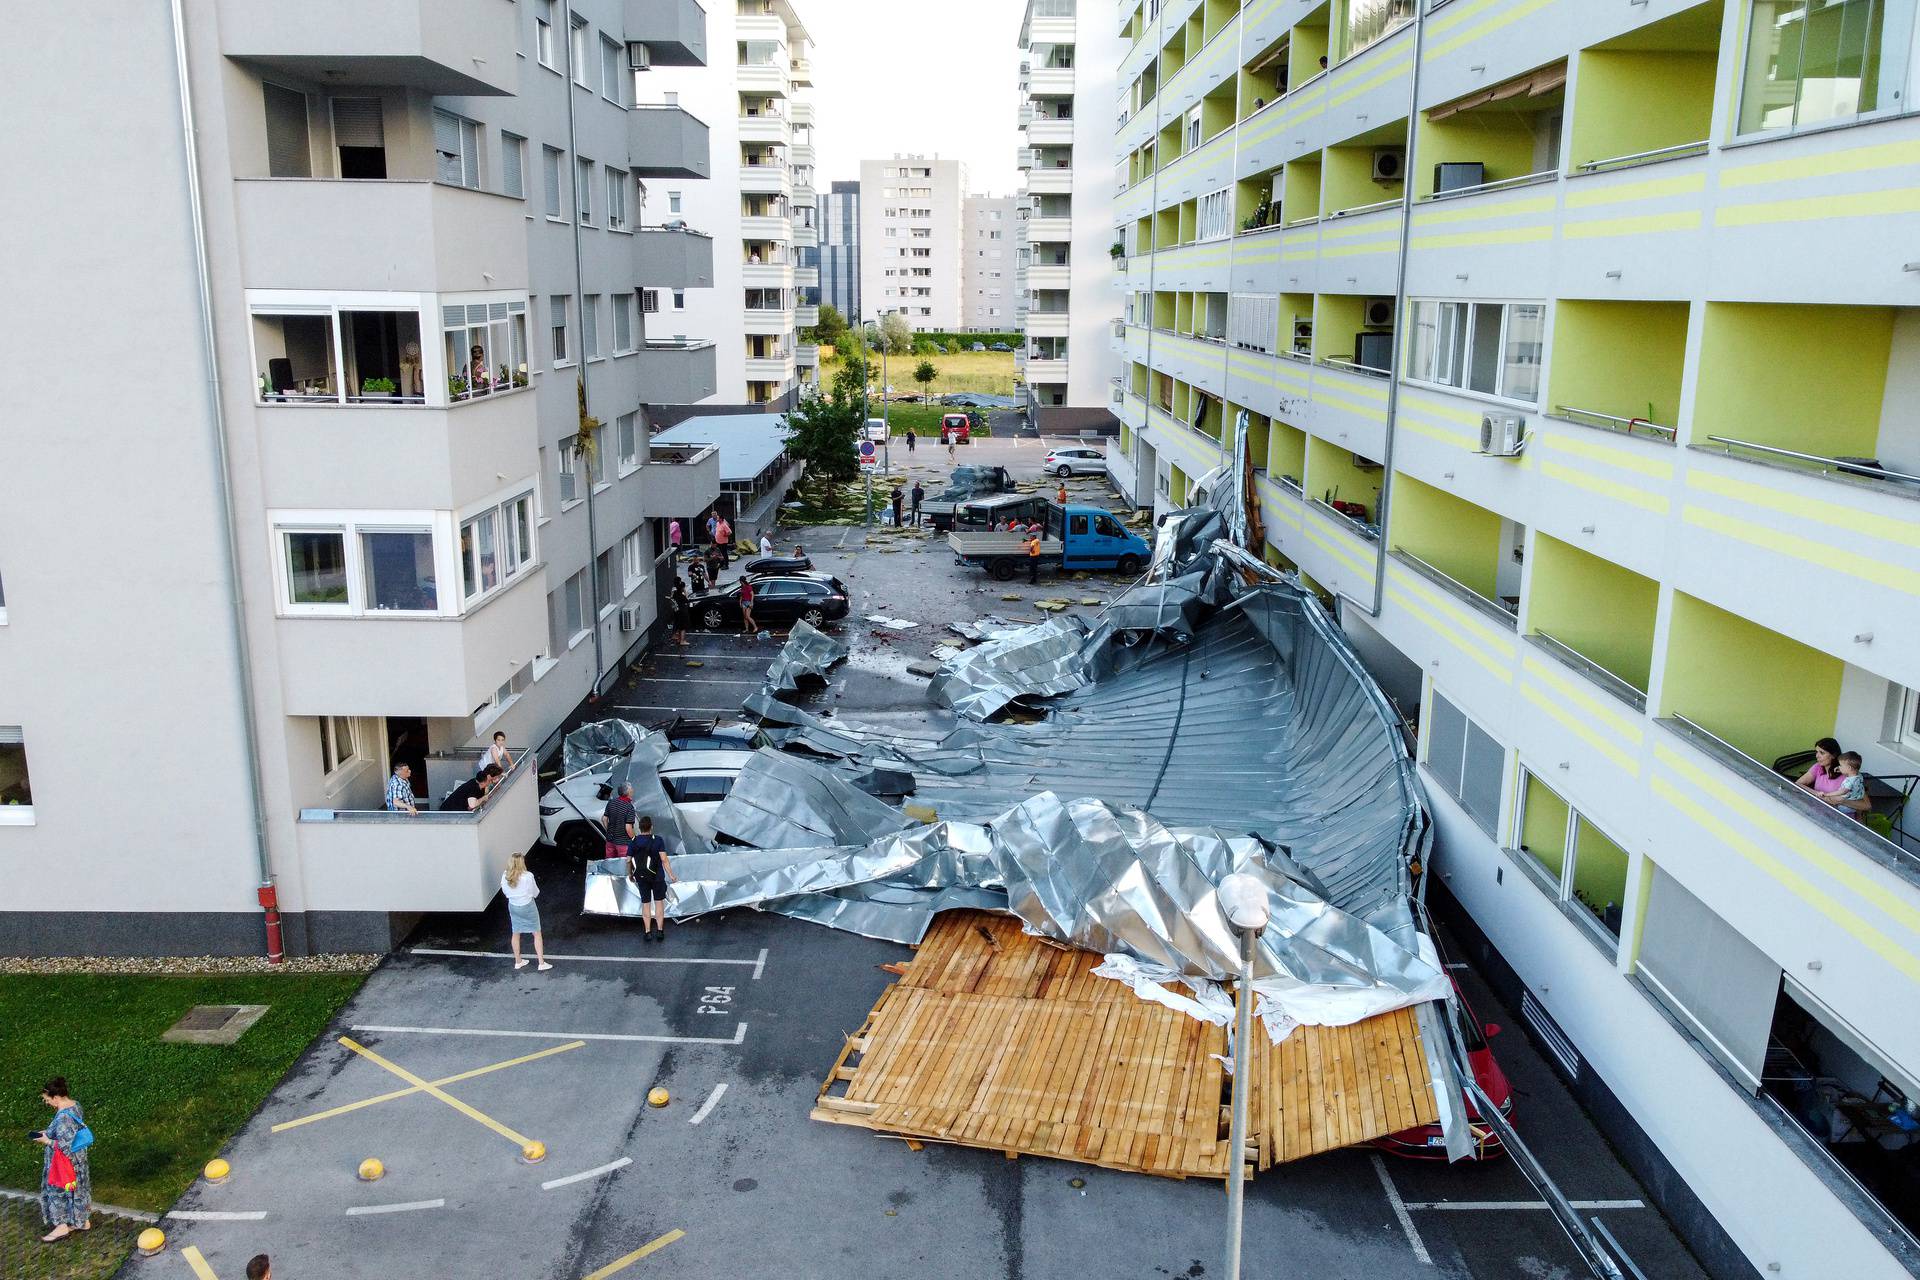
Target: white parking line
column 571, row 1178
column 213, row 1215
column 699, row 680
column 739, row 1034
column 407, row 1207
column 758, row 965
column 712, row 1099
column 1522, row 1204
column 1400, row 1210
column 643, row 706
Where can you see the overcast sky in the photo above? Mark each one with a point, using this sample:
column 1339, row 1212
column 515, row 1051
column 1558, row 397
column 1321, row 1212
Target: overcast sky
column 915, row 75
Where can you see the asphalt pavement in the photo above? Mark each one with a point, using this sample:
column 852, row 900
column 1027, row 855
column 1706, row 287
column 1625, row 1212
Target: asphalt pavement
column 448, row 1059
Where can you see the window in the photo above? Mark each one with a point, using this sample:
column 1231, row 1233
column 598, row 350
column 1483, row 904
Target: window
column 622, row 322
column 543, row 33
column 337, row 746
column 1215, row 216
column 1253, row 321
column 590, row 325
column 679, row 299
column 360, row 138
column 316, row 562
column 486, row 345
column 633, row 562
column 1572, row 859
column 649, row 301
column 557, row 325
column 612, row 60
column 550, row 161
column 1715, row 981
column 399, row 570
column 456, row 150
column 576, row 606
column 288, row 155
column 1193, row 128
column 496, row 543
column 626, row 440
column 616, row 199
column 16, row 791
column 1466, row 762
column 583, row 189
column 1813, row 62
column 1370, row 20
column 1494, row 348
column 673, row 202
column 517, row 527
column 568, row 460
column 1906, row 724
column 372, row 563
column 513, row 156
column 603, row 581
column 577, row 52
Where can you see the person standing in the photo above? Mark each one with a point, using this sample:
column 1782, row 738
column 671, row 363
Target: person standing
column 919, row 496
column 650, row 873
column 747, row 625
column 66, row 1197
column 620, row 819
column 400, row 790
column 523, row 914
column 766, row 544
column 698, row 572
column 899, row 499
column 1060, row 494
column 713, row 525
column 911, row 437
column 1033, row 558
column 723, row 539
column 682, row 608
column 673, row 537
column 952, row 457
column 498, row 754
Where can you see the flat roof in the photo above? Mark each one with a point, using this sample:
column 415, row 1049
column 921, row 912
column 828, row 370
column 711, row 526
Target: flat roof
column 748, row 442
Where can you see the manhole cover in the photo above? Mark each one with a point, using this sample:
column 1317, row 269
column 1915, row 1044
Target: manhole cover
column 214, row 1023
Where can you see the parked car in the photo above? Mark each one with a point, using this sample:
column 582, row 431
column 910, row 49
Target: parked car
column 955, row 427
column 999, row 346
column 697, row 778
column 1427, row 1142
column 778, row 601
column 697, row 781
column 876, row 430
column 1075, row 460
column 690, row 733
column 978, row 346
column 761, row 566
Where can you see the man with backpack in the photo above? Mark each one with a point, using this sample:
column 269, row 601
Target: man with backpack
column 647, row 857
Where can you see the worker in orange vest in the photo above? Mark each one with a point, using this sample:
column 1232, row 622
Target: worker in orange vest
column 1033, row 558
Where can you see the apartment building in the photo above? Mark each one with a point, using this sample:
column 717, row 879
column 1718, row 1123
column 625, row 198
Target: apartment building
column 839, row 227
column 758, row 201
column 910, row 238
column 389, row 275
column 987, row 262
column 1578, row 350
column 1068, row 86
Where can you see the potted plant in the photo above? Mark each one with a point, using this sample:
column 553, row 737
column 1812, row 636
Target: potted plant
column 456, row 387
column 378, row 388
column 520, row 376
column 1117, row 250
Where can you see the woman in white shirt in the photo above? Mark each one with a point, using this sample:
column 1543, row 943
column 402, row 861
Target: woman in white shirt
column 523, row 916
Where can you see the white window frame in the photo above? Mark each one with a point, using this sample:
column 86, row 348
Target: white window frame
column 1563, row 891
column 1193, row 138
column 633, row 562
column 349, row 526
column 583, row 190
column 566, row 464
column 17, row 815
column 500, row 310
column 613, row 61
column 331, row 303
column 514, row 144
column 578, row 583
column 590, row 327
column 1906, row 733
column 1213, row 215
column 577, row 48
column 336, row 768
column 1441, row 354
column 470, row 136
column 552, row 189
column 626, row 442
column 558, row 349
column 543, row 35
column 616, row 184
column 623, row 324
column 512, row 556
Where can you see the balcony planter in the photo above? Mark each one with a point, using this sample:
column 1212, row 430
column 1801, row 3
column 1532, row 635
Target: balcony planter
column 379, row 389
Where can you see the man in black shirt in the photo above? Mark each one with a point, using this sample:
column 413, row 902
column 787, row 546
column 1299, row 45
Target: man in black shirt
column 650, row 875
column 472, row 793
column 619, row 820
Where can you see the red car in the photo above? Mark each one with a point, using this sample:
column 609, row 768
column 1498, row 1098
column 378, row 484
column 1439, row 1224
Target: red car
column 955, row 429
column 1426, row 1142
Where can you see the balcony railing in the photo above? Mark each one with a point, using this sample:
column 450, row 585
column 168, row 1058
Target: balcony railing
column 1498, row 610
column 1644, row 157
column 679, row 455
column 1624, row 690
column 1371, row 532
column 1845, row 466
column 1608, row 422
column 1499, row 184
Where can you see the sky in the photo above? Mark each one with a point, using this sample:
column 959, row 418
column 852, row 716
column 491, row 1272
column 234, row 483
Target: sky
column 915, row 76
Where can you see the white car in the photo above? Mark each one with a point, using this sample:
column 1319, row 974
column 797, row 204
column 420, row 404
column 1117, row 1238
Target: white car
column 876, row 430
column 571, row 813
column 1075, row 460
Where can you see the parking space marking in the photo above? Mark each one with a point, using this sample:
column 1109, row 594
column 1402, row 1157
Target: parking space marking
column 213, row 1215
column 361, row 1210
column 572, row 1178
column 700, row 680
column 642, row 706
column 621, row 1264
column 712, row 1100
column 1522, row 1204
column 739, row 1035
column 472, row 1113
column 758, row 966
column 401, row 1093
column 1400, row 1210
column 199, row 1263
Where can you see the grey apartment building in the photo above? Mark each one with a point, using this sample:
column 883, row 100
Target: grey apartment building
column 840, row 248
column 388, row 274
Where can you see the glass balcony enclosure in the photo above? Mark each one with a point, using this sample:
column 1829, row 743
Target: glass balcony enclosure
column 369, row 349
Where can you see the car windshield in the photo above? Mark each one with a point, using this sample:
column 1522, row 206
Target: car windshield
column 697, row 788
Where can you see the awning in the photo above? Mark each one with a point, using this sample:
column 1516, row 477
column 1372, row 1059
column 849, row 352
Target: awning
column 1534, row 84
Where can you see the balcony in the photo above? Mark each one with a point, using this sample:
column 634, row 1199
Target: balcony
column 776, row 273
column 802, row 70
column 312, row 233
column 1049, row 275
column 372, row 860
column 769, row 178
column 1023, row 158
column 1049, row 230
column 767, row 321
column 807, row 355
column 1617, row 366
column 1595, row 616
column 1646, row 96
column 680, row 477
column 435, row 47
column 765, row 28
column 1054, row 181
column 764, row 126
column 775, row 366
column 1472, row 552
column 804, row 236
column 677, row 372
column 667, row 142
column 802, row 112
column 766, row 226
column 673, row 258
column 1045, row 371
column 768, row 78
column 806, row 277
column 674, row 31
column 806, row 314
column 1044, row 131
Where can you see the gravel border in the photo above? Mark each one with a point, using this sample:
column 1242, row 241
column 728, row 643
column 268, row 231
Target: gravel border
column 344, row 963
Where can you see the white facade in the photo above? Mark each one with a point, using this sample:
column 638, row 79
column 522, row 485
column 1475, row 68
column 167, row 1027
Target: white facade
column 989, row 227
column 910, row 240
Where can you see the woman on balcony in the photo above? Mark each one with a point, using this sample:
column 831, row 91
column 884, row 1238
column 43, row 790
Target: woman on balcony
column 478, row 379
column 1823, row 779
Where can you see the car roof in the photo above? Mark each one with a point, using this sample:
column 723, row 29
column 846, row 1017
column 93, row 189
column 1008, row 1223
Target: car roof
column 705, row 760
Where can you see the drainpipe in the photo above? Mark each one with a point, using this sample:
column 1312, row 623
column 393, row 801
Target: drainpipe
column 1399, row 307
column 586, row 391
column 236, row 612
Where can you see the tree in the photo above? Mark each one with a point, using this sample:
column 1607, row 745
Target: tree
column 953, row 346
column 924, row 373
column 895, row 337
column 825, row 430
column 831, row 329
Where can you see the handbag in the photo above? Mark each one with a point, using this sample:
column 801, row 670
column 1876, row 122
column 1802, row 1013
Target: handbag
column 82, row 1136
column 60, row 1172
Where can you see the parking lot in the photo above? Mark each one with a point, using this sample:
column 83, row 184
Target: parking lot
column 449, row 1061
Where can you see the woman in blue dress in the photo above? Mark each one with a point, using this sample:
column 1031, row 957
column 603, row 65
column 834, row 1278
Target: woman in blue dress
column 66, row 1211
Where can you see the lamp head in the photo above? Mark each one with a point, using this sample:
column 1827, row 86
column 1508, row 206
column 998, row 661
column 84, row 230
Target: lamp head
column 1244, row 900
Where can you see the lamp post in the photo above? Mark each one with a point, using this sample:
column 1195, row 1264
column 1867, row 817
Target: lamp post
column 866, row 410
column 1243, row 899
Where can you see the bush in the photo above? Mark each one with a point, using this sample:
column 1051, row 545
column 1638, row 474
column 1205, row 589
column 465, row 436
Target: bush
column 953, row 346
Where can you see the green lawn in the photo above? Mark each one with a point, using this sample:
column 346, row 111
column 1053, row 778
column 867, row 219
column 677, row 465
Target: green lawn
column 921, row 419
column 989, row 372
column 158, row 1111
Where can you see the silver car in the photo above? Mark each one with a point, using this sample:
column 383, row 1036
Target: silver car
column 1075, row 460
column 573, row 812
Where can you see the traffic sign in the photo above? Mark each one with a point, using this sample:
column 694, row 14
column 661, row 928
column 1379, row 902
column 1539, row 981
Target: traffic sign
column 868, row 457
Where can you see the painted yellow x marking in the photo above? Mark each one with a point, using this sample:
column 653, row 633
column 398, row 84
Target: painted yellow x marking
column 621, row 1264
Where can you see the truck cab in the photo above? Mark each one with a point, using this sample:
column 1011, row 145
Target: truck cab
column 1093, row 539
column 997, row 511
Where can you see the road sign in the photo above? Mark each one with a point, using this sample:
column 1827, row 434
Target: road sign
column 868, row 457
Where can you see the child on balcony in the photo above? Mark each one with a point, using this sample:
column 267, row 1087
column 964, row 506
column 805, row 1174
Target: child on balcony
column 1852, row 795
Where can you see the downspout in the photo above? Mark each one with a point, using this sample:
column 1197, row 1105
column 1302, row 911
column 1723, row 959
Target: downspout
column 236, row 613
column 1399, row 307
column 586, row 396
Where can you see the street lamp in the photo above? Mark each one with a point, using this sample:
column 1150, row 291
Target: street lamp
column 1243, row 899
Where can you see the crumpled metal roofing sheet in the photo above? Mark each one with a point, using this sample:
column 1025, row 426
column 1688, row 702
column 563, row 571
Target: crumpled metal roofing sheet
column 809, row 652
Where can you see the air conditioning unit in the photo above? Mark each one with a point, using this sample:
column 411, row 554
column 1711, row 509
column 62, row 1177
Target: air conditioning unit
column 1302, row 336
column 1377, row 313
column 1502, row 435
column 1389, row 164
column 629, row 619
column 639, row 57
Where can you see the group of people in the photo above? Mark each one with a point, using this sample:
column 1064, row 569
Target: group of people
column 899, row 500
column 1836, row 779
column 495, row 763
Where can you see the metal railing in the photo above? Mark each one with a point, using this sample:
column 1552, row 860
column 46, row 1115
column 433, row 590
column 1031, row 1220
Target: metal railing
column 1368, row 531
column 1608, row 422
column 1644, row 157
column 1499, row 184
column 1300, row 222
column 1860, row 469
column 1346, row 362
column 1495, row 609
column 679, row 455
column 429, row 811
column 1375, row 207
column 1625, row 690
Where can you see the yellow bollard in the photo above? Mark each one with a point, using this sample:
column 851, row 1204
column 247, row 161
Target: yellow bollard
column 151, row 1241
column 371, row 1170
column 533, row 1153
column 657, row 1097
column 217, row 1170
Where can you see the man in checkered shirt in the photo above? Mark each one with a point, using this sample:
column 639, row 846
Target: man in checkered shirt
column 400, row 790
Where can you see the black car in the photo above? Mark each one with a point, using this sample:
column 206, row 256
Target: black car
column 999, row 346
column 761, row 566
column 777, row 602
